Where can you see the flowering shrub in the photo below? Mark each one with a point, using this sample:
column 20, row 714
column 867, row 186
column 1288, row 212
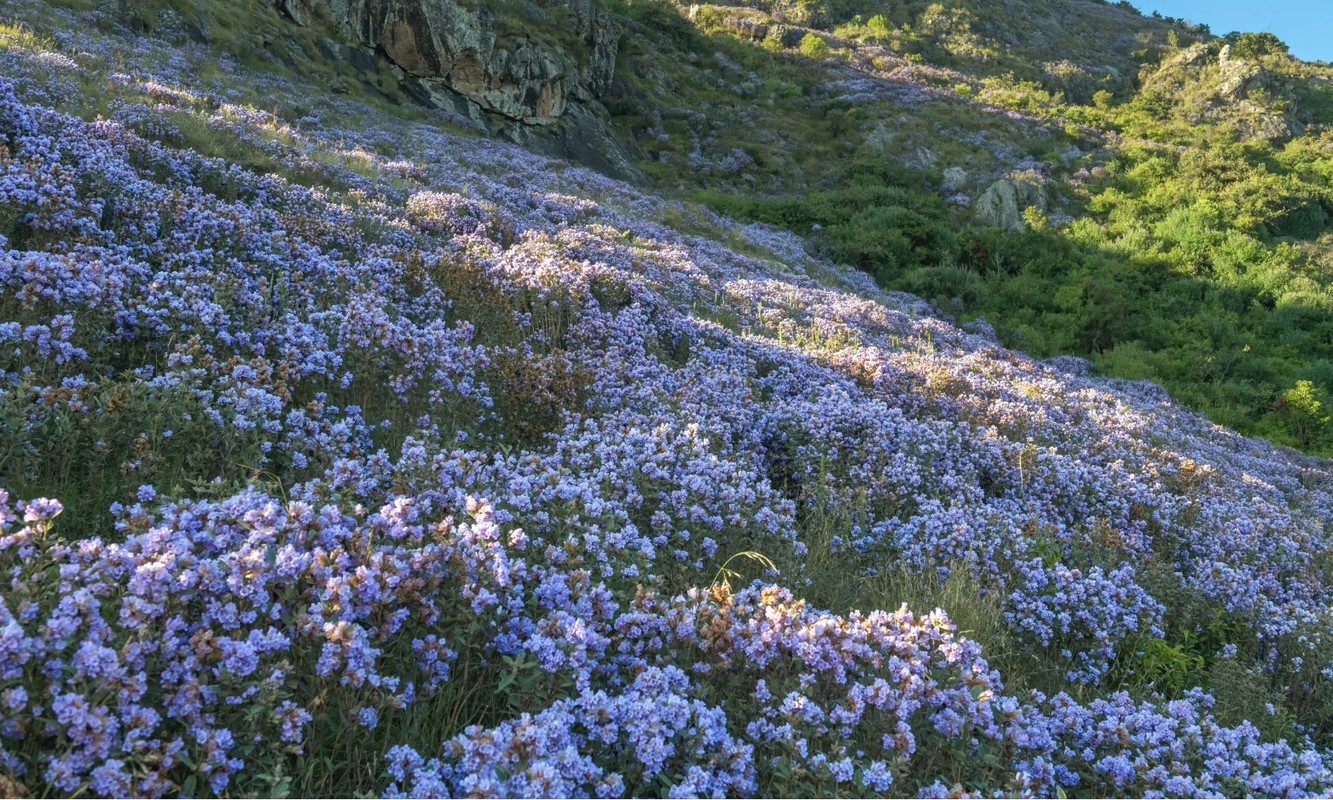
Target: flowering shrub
column 350, row 478
column 439, row 212
column 1082, row 616
column 592, row 745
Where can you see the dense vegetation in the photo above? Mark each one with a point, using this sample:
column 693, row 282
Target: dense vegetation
column 1170, row 242
column 342, row 453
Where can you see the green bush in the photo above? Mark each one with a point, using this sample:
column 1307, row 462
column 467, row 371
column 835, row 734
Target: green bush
column 131, row 434
column 814, row 46
column 870, row 244
column 883, row 237
column 945, row 283
column 1255, row 45
column 1299, row 216
column 1305, row 410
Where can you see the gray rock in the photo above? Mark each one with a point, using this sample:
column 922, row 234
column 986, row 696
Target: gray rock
column 580, row 136
column 1003, row 203
column 1196, row 55
column 309, row 13
column 538, row 83
column 1240, row 78
column 177, row 28
column 445, row 99
column 123, row 14
column 922, row 158
column 1240, row 96
column 791, row 37
column 467, row 49
column 746, row 28
column 1271, row 126
column 879, row 138
column 812, row 13
column 954, row 177
column 361, row 58
column 1235, row 91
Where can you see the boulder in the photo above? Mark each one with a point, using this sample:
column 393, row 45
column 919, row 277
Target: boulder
column 178, row 29
column 922, row 158
column 746, row 28
column 788, row 35
column 580, row 137
column 1240, row 78
column 1003, row 203
column 1196, row 55
column 1244, row 93
column 880, row 138
column 310, row 13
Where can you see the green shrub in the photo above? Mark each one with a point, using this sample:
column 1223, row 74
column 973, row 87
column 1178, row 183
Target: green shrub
column 882, row 236
column 1305, row 409
column 1299, row 216
column 945, row 283
column 1255, row 45
column 814, row 46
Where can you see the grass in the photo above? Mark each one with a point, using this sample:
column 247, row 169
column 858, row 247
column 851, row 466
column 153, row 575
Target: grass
column 841, row 580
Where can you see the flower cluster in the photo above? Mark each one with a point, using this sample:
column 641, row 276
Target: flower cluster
column 592, row 745
column 1084, row 615
column 1175, row 750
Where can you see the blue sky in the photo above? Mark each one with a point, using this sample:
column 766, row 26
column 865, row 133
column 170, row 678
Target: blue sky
column 1305, row 25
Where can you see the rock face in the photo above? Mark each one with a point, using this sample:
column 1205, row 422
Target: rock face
column 1248, row 90
column 468, row 49
column 1003, row 203
column 530, row 70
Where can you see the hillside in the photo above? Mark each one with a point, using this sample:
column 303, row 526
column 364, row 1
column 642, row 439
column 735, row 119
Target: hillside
column 1179, row 229
column 348, row 448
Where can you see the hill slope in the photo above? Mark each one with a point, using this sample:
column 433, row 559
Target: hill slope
column 1179, row 223
column 349, row 452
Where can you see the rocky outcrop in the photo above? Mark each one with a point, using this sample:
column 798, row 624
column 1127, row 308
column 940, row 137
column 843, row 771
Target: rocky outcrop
column 1003, row 203
column 533, row 71
column 1257, row 101
column 1248, row 90
column 745, row 27
column 527, row 71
